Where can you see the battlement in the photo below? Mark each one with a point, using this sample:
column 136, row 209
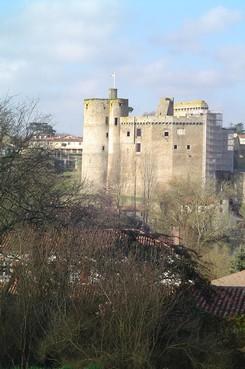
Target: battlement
column 179, row 140
column 163, row 120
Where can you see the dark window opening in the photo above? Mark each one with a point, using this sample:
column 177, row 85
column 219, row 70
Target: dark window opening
column 138, row 147
column 128, row 133
column 106, row 134
column 115, row 121
column 175, row 147
column 138, row 132
column 188, row 147
column 166, row 134
column 103, row 148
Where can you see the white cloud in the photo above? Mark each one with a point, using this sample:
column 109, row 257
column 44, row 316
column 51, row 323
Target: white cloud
column 62, row 51
column 48, row 46
column 232, row 57
column 191, row 34
column 53, row 29
column 9, row 70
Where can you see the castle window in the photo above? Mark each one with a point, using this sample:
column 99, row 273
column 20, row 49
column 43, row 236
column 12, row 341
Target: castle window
column 107, row 120
column 138, row 132
column 138, row 147
column 166, row 134
column 188, row 147
column 115, row 121
column 128, row 133
column 175, row 147
column 106, row 134
column 180, row 131
column 103, row 148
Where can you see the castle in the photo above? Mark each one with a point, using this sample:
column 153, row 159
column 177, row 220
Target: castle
column 138, row 153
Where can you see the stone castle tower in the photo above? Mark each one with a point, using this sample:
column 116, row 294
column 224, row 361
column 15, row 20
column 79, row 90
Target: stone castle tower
column 101, row 149
column 142, row 154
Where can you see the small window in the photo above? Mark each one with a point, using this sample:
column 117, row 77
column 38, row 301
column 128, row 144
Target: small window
column 175, row 147
column 166, row 133
column 107, row 120
column 188, row 147
column 115, row 121
column 181, row 131
column 103, row 148
column 106, row 134
column 138, row 132
column 138, row 147
column 128, row 133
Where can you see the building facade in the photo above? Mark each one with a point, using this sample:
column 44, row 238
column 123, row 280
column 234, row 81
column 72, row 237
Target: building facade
column 138, row 153
column 67, row 149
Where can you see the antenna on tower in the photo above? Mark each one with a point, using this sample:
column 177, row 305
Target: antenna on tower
column 114, row 79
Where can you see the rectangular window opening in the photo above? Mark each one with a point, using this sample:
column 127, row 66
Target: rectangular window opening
column 138, row 132
column 128, row 133
column 166, row 133
column 175, row 147
column 106, row 134
column 138, row 147
column 115, row 121
column 188, row 147
column 103, row 148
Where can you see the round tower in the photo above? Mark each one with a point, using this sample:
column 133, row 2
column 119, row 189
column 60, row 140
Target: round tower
column 95, row 141
column 117, row 108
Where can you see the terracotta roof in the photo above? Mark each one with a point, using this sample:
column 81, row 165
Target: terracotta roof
column 223, row 302
column 69, row 138
column 235, row 280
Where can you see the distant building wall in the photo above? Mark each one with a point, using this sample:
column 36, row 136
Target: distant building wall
column 155, row 150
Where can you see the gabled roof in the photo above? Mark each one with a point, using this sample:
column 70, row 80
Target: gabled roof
column 234, row 279
column 223, row 302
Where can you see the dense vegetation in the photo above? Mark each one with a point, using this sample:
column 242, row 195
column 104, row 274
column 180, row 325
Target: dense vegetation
column 79, row 295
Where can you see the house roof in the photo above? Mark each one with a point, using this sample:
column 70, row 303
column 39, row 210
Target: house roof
column 191, row 104
column 223, row 302
column 234, row 279
column 69, row 138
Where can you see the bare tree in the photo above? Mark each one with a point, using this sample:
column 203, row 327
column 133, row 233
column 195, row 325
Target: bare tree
column 200, row 214
column 148, row 172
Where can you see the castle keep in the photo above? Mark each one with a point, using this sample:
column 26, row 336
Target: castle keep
column 139, row 153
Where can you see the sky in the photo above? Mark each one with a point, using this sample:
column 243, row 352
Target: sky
column 58, row 52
